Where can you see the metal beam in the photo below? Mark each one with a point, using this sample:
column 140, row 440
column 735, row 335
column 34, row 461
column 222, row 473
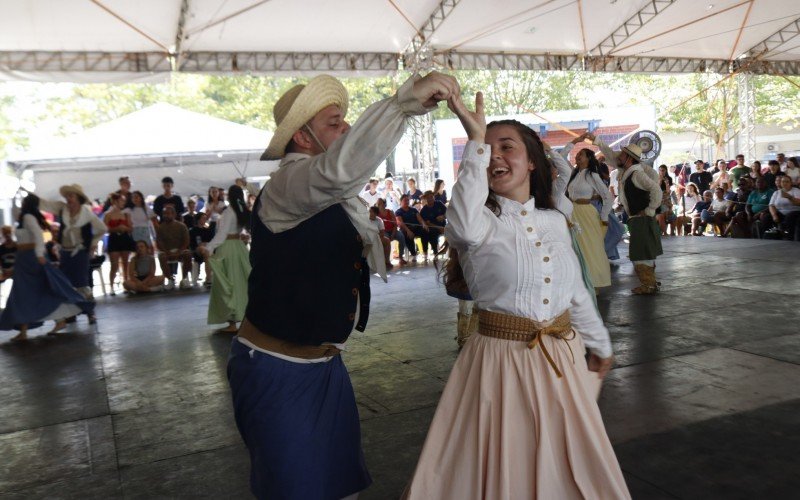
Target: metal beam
column 289, row 62
column 35, row 61
column 625, row 64
column 780, row 37
column 631, row 26
column 419, row 54
column 180, row 34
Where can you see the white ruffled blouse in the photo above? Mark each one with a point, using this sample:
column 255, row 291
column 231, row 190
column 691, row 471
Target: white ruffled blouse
column 522, row 262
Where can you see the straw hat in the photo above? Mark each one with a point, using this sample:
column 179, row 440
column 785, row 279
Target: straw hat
column 634, row 151
column 299, row 105
column 74, row 189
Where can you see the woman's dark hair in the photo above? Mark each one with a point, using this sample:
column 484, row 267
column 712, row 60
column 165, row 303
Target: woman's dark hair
column 793, row 160
column 239, row 205
column 30, row 205
column 667, row 177
column 437, row 185
column 221, row 193
column 141, row 197
column 541, row 186
column 594, row 165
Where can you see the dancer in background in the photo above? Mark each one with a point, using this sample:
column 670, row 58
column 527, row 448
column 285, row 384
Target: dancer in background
column 40, row 291
column 229, row 258
column 518, row 417
column 585, row 185
column 79, row 233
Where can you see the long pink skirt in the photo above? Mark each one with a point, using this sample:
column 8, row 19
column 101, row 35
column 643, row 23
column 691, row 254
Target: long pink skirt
column 508, row 428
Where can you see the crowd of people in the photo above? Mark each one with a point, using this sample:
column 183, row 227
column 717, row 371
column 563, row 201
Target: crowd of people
column 530, row 239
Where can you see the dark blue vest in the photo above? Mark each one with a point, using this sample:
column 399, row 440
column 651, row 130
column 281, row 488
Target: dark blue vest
column 86, row 233
column 305, row 282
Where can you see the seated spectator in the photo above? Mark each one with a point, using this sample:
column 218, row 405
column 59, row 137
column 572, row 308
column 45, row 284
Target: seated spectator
column 190, row 216
column 390, row 229
column 701, row 207
column 390, row 194
column 168, row 198
column 370, row 193
column 439, row 192
column 784, row 207
column 717, row 215
column 758, row 207
column 413, row 191
column 756, row 170
column 685, row 208
column 434, row 214
column 410, row 223
column 172, row 238
column 142, row 275
column 793, row 170
column 8, row 252
column 771, row 176
column 739, row 226
column 124, row 190
column 381, row 227
column 200, row 234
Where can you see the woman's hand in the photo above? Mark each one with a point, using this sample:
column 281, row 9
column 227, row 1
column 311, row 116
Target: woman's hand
column 41, row 260
column 600, row 365
column 474, row 123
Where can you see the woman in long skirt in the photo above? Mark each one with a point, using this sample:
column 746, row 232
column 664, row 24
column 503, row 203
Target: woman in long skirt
column 518, row 417
column 230, row 261
column 586, row 186
column 40, row 291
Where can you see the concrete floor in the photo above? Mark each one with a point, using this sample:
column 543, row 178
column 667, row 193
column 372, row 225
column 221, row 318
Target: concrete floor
column 704, row 401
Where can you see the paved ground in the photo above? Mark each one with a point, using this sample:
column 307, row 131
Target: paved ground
column 704, row 401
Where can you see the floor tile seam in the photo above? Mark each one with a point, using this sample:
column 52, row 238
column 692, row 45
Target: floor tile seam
column 649, row 483
column 173, row 457
column 406, row 329
column 111, row 415
column 733, row 348
column 60, row 480
column 73, row 421
column 795, row 295
column 392, row 414
column 710, row 347
column 682, row 313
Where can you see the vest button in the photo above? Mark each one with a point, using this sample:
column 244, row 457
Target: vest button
column 355, row 292
column 358, row 237
column 351, row 316
column 357, row 265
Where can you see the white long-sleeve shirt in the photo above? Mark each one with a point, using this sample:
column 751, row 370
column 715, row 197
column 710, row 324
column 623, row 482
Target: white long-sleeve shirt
column 644, row 177
column 587, row 184
column 522, row 262
column 306, row 185
column 226, row 225
column 30, row 232
column 71, row 227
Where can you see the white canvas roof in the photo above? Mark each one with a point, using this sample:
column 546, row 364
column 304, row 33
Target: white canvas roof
column 195, row 149
column 117, row 39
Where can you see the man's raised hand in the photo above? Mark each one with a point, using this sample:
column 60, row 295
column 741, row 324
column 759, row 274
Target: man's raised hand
column 434, row 88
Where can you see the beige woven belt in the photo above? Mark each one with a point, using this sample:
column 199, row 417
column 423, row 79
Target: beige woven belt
column 509, row 327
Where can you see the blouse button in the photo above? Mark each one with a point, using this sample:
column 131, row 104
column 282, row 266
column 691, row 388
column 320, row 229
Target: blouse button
column 480, row 151
column 546, row 301
column 530, row 229
column 547, row 259
column 538, row 243
column 546, row 280
column 524, row 213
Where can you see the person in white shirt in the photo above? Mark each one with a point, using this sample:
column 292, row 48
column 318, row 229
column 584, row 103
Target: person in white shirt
column 782, row 161
column 793, row 170
column 784, row 206
column 390, row 194
column 370, row 194
column 685, row 208
column 40, row 291
column 640, row 195
column 585, row 186
column 523, row 375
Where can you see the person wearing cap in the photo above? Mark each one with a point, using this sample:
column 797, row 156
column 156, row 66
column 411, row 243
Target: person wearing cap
column 293, row 401
column 80, row 231
column 640, row 195
column 701, row 176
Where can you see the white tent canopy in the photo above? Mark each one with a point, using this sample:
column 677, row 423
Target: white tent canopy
column 195, row 149
column 118, row 39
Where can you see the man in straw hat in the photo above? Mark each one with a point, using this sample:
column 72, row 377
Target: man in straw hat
column 640, row 196
column 313, row 250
